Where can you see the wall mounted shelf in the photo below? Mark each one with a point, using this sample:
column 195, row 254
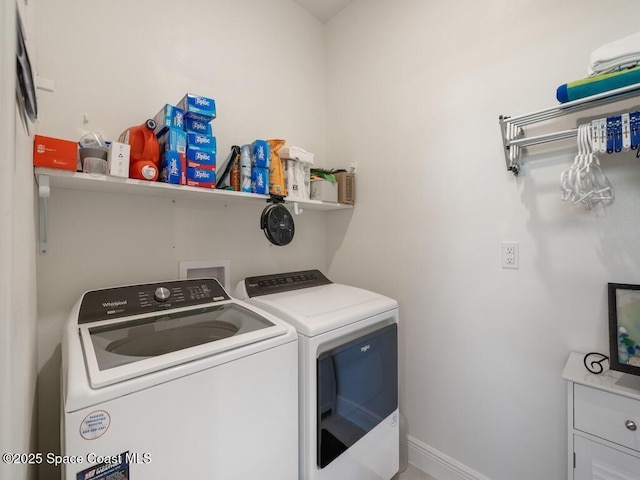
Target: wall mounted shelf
column 48, row 178
column 513, row 134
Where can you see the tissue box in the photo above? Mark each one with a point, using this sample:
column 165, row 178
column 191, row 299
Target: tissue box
column 168, row 117
column 55, row 153
column 173, row 140
column 192, row 125
column 197, row 141
column 173, row 168
column 198, row 108
column 201, row 159
column 200, row 177
column 324, row 190
column 346, row 187
column 260, row 154
column 260, row 180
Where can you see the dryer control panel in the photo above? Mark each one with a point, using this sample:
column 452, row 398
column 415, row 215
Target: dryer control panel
column 148, row 298
column 284, row 282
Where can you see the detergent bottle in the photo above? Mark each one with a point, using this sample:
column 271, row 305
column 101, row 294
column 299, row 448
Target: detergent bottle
column 145, row 151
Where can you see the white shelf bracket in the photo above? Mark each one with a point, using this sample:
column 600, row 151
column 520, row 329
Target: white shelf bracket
column 45, row 84
column 512, row 154
column 44, row 191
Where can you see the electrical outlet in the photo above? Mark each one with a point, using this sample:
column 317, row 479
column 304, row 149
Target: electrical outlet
column 510, row 255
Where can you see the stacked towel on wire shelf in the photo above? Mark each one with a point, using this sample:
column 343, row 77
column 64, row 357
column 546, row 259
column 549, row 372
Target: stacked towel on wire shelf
column 614, row 65
column 615, row 56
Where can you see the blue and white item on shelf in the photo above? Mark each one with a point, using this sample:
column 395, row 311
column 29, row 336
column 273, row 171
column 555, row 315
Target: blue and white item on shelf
column 173, row 139
column 260, row 154
column 245, row 169
column 173, row 168
column 198, row 107
column 198, row 141
column 200, row 177
column 201, row 159
column 260, row 180
column 192, row 125
column 169, row 117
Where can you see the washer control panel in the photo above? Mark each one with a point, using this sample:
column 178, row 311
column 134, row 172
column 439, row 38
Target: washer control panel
column 283, row 282
column 151, row 297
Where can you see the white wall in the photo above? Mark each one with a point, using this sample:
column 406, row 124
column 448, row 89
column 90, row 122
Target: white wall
column 7, row 139
column 117, row 63
column 17, row 259
column 414, row 91
column 483, row 348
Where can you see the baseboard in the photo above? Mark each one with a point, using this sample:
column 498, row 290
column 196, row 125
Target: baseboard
column 437, row 464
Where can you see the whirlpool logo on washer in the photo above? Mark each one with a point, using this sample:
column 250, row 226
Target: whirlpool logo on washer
column 365, row 348
column 117, row 303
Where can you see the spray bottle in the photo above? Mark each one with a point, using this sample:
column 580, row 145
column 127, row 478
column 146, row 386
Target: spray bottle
column 245, row 169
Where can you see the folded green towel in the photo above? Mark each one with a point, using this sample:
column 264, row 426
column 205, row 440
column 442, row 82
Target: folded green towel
column 597, row 84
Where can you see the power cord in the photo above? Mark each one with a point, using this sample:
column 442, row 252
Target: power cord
column 591, row 366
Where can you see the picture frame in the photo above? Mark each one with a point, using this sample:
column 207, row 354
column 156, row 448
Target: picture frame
column 624, row 327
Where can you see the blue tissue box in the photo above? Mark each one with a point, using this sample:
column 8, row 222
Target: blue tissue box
column 260, row 180
column 260, row 154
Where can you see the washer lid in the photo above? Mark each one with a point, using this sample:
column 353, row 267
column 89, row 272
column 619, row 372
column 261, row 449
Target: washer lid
column 316, row 310
column 121, row 349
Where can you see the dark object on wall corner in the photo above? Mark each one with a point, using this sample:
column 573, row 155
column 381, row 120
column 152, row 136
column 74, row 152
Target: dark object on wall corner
column 25, row 84
column 277, row 222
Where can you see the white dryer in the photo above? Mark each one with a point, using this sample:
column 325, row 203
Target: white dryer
column 177, row 380
column 348, row 384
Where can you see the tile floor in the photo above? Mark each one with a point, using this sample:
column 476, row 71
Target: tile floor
column 413, row 473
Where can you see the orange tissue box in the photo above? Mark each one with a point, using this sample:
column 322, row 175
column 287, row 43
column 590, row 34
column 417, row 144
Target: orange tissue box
column 55, row 153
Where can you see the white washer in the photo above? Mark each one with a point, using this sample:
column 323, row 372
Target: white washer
column 177, row 380
column 347, row 339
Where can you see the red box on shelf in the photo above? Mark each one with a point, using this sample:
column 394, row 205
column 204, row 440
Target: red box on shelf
column 55, row 153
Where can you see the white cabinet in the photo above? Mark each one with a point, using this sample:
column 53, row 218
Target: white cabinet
column 604, row 423
column 597, row 461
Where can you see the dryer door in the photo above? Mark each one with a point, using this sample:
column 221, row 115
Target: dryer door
column 357, row 385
